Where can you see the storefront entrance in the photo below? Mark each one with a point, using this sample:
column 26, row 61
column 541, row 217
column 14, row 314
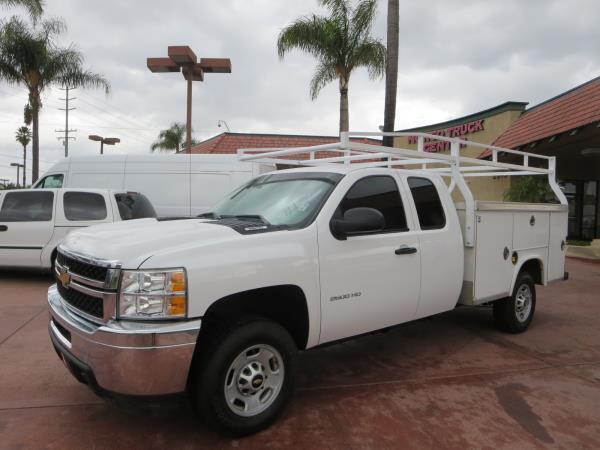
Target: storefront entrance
column 583, row 197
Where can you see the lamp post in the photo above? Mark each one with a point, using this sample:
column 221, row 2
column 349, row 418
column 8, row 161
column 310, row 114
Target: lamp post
column 18, row 166
column 103, row 140
column 182, row 59
column 221, row 123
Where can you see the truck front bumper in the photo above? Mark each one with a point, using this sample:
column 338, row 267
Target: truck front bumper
column 121, row 357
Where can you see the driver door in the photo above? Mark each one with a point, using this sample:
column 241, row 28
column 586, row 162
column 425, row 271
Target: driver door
column 369, row 281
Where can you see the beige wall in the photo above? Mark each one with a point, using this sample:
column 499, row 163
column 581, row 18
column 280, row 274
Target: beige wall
column 483, row 188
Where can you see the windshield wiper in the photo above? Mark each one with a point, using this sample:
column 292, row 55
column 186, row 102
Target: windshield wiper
column 246, row 217
column 208, row 215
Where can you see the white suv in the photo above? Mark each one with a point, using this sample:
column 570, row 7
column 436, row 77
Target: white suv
column 33, row 221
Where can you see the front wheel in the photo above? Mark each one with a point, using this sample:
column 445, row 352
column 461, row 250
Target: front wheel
column 246, row 377
column 514, row 314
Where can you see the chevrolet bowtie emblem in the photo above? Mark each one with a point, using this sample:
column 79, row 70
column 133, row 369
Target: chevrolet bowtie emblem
column 64, row 277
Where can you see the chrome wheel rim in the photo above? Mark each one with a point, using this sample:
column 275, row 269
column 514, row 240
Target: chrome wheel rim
column 253, row 380
column 523, row 301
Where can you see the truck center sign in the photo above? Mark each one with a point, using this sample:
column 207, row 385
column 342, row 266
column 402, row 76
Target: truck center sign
column 460, row 131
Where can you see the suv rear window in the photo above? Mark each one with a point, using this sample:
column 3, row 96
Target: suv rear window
column 133, row 205
column 27, row 207
column 84, row 206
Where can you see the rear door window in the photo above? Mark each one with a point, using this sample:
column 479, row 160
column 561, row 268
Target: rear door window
column 428, row 203
column 84, row 206
column 133, row 205
column 27, row 207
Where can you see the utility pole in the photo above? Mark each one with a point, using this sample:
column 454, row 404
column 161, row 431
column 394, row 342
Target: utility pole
column 66, row 109
column 4, row 181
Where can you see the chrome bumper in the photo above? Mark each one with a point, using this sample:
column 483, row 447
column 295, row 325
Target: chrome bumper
column 128, row 358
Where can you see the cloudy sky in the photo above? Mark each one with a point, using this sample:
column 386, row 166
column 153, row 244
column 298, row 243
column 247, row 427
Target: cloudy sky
column 456, row 57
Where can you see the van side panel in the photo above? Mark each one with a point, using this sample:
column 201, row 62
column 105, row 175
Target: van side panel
column 102, row 173
column 164, row 179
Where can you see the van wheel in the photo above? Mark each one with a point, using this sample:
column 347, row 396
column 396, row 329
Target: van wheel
column 245, row 376
column 514, row 314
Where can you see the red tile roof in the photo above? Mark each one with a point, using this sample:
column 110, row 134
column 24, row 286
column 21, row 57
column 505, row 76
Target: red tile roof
column 573, row 109
column 228, row 143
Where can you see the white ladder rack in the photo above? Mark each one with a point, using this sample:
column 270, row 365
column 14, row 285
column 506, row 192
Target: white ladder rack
column 454, row 165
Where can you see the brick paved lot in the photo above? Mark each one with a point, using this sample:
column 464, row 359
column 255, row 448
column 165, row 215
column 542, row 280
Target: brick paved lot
column 451, row 381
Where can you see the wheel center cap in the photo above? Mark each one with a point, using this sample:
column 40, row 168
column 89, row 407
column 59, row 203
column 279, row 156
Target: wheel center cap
column 257, row 381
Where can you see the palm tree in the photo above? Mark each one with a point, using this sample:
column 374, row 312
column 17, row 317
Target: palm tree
column 171, row 139
column 35, row 8
column 23, row 137
column 391, row 70
column 32, row 57
column 340, row 42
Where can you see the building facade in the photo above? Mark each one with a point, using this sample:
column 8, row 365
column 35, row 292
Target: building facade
column 566, row 126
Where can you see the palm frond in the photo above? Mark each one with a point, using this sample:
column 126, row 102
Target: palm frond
column 35, row 8
column 324, row 74
column 362, row 20
column 313, row 34
column 370, row 54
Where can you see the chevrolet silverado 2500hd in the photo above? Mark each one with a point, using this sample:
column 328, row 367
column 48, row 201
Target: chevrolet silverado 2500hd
column 217, row 306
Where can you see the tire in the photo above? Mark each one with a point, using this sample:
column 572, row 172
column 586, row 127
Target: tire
column 514, row 314
column 244, row 376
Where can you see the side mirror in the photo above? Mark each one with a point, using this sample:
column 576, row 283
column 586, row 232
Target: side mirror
column 357, row 221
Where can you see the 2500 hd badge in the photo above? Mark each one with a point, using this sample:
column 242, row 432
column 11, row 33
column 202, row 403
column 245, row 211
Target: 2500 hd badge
column 348, row 296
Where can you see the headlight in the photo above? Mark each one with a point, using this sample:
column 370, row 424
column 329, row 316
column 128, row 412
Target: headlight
column 153, row 294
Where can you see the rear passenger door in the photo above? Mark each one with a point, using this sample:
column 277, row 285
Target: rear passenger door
column 369, row 281
column 26, row 225
column 81, row 209
column 441, row 246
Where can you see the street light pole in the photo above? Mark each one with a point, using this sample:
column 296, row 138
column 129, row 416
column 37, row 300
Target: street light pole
column 18, row 166
column 103, row 140
column 182, row 59
column 188, row 128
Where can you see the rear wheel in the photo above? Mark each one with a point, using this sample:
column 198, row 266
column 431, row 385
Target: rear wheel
column 245, row 376
column 514, row 314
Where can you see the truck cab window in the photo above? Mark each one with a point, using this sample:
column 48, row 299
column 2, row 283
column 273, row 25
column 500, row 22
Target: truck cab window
column 51, row 181
column 27, row 207
column 429, row 207
column 133, row 205
column 380, row 193
column 84, row 206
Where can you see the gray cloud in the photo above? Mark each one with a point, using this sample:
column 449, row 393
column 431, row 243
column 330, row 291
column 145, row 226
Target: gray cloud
column 456, row 57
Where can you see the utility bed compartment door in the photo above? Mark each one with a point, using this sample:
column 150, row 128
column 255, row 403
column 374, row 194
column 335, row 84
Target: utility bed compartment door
column 493, row 272
column 556, row 245
column 531, row 230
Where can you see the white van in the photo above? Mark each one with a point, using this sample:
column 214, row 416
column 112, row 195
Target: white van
column 177, row 185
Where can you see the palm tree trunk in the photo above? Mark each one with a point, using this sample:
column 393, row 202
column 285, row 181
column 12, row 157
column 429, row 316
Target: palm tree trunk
column 24, row 166
column 344, row 113
column 35, row 140
column 391, row 70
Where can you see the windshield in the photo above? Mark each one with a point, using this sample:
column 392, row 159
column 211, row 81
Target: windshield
column 279, row 199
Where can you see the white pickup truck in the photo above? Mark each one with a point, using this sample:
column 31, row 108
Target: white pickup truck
column 33, row 222
column 217, row 306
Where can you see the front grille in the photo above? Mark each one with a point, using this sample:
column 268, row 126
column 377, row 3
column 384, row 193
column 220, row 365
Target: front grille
column 94, row 306
column 83, row 269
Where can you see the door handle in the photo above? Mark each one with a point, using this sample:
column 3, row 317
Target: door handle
column 3, row 228
column 405, row 250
